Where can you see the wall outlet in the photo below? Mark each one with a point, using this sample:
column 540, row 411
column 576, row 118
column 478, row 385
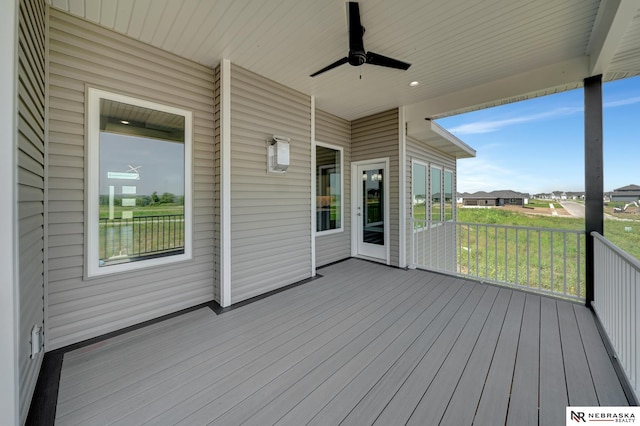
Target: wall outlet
column 36, row 340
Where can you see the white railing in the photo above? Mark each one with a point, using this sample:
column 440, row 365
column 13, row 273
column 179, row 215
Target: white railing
column 541, row 259
column 616, row 302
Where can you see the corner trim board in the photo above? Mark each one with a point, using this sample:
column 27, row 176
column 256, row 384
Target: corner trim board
column 225, row 193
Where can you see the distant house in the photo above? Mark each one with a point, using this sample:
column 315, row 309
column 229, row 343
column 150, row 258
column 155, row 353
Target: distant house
column 495, row 199
column 626, row 193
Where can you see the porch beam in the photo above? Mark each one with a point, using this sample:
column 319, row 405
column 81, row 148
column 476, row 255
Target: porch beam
column 593, row 173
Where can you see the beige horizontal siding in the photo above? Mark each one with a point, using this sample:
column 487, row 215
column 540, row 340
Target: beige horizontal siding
column 270, row 214
column 30, row 189
column 374, row 137
column 82, row 54
column 336, row 131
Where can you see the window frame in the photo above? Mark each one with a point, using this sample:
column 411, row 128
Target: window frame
column 92, row 167
column 342, row 218
column 427, row 189
column 430, row 180
column 453, row 195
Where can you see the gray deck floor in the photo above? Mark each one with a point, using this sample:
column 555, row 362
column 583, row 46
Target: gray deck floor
column 365, row 344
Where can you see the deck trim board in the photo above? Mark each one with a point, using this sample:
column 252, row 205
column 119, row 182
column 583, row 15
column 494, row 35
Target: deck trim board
column 364, row 343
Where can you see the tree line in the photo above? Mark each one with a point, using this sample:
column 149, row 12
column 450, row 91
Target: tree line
column 154, row 199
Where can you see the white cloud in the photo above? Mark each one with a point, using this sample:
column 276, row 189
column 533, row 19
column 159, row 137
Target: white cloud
column 496, row 125
column 622, row 102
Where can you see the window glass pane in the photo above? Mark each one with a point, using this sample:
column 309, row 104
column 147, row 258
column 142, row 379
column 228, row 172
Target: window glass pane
column 141, row 183
column 373, row 206
column 448, row 195
column 436, row 194
column 419, row 181
column 328, row 189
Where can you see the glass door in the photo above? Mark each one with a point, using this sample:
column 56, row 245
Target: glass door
column 370, row 210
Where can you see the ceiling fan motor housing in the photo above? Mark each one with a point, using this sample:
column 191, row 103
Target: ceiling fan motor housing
column 357, row 58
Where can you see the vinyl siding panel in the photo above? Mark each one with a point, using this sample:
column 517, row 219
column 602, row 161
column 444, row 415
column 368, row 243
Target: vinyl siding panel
column 441, row 239
column 270, row 214
column 336, row 131
column 374, row 137
column 82, row 54
column 30, row 171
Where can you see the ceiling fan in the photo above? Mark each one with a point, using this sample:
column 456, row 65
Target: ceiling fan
column 357, row 55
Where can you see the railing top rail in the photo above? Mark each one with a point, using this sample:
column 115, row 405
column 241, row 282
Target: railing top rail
column 494, row 225
column 632, row 261
column 144, row 217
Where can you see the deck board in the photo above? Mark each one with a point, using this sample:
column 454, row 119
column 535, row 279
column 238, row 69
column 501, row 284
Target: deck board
column 580, row 386
column 364, row 344
column 553, row 386
column 523, row 405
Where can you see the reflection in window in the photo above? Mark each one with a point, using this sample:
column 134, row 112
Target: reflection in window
column 328, row 188
column 448, row 195
column 436, row 194
column 140, row 183
column 419, row 191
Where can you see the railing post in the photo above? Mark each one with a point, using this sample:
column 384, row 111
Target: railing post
column 593, row 174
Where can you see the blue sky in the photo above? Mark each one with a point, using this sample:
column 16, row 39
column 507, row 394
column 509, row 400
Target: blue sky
column 538, row 145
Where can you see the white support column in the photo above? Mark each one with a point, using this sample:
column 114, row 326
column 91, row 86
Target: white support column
column 402, row 174
column 225, row 183
column 313, row 186
column 9, row 284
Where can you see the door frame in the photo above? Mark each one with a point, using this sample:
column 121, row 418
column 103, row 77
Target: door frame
column 355, row 185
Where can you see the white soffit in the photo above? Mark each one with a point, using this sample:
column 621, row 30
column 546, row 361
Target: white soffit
column 461, row 51
column 435, row 136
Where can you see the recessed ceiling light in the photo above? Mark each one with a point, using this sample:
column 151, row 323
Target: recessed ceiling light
column 414, row 83
column 124, row 121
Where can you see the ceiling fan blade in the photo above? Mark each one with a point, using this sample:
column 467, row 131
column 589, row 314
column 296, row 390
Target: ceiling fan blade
column 376, row 59
column 332, row 66
column 356, row 31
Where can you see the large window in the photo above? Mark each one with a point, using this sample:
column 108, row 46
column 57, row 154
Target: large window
column 437, row 203
column 419, row 191
column 436, row 194
column 448, row 195
column 139, row 183
column 328, row 188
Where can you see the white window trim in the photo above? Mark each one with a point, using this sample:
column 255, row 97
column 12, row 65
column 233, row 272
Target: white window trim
column 92, row 266
column 315, row 183
column 453, row 194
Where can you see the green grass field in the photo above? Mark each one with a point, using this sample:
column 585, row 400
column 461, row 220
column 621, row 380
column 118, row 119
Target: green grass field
column 139, row 211
column 615, row 231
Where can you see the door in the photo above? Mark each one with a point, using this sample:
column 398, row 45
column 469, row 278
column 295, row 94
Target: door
column 371, row 210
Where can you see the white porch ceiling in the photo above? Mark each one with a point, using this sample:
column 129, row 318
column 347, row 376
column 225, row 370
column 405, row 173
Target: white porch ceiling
column 465, row 54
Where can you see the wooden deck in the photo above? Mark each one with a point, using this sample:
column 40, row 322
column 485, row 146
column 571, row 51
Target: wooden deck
column 365, row 344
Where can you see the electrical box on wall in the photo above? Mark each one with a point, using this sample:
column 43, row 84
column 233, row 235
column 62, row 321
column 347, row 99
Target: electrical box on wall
column 278, row 154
